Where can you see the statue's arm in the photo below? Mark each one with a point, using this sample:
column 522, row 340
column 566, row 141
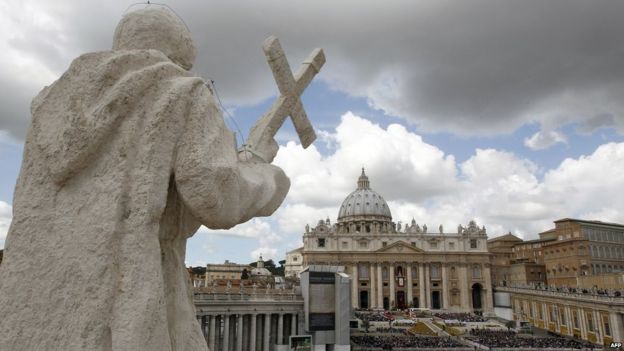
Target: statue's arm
column 219, row 189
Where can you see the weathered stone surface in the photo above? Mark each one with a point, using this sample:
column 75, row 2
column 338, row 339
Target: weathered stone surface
column 126, row 156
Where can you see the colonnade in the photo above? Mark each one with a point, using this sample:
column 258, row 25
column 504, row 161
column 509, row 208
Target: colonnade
column 248, row 331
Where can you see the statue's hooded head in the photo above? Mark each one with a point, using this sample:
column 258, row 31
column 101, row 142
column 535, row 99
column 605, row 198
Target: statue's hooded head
column 157, row 29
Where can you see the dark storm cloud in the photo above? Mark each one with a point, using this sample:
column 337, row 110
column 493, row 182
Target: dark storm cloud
column 471, row 67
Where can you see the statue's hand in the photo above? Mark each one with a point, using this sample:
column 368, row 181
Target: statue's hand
column 264, row 152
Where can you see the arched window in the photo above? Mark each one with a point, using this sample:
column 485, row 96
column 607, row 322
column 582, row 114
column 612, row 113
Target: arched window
column 399, row 271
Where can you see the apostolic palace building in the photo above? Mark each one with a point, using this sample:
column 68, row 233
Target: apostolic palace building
column 401, row 266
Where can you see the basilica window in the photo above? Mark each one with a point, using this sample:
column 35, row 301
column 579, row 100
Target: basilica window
column 414, row 272
column 413, row 243
column 476, row 272
column 607, row 327
column 473, row 243
column 384, row 243
column 321, row 242
column 562, row 316
column 399, row 271
column 363, row 271
column 384, row 273
column 453, row 273
column 451, row 246
column 368, row 228
column 435, row 271
column 345, row 245
column 590, row 322
column 553, row 314
column 363, row 244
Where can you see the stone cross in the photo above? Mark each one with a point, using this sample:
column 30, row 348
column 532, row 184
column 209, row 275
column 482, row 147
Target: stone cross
column 289, row 103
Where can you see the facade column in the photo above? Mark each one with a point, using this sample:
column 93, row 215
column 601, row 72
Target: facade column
column 267, row 332
column 226, row 333
column 583, row 323
column 489, row 302
column 392, row 299
column 280, row 329
column 445, row 289
column 252, row 333
column 239, row 332
column 421, row 286
column 410, row 284
column 463, row 286
column 354, row 287
column 597, row 326
column 211, row 335
column 293, row 324
column 569, row 320
column 616, row 326
column 427, row 285
column 372, row 297
column 379, row 286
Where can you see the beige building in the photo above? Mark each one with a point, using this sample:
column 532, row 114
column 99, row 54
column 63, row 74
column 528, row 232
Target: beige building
column 294, row 262
column 226, row 270
column 402, row 266
column 501, row 249
column 583, row 248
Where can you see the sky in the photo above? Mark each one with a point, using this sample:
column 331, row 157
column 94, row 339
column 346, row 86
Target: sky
column 510, row 113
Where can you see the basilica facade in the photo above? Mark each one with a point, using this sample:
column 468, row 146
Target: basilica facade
column 394, row 266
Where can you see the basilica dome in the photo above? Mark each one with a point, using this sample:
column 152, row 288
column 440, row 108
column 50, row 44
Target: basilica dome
column 364, row 202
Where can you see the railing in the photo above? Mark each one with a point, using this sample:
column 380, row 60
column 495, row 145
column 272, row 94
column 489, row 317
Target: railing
column 207, row 294
column 568, row 295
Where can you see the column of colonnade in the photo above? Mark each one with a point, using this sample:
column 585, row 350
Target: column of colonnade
column 247, row 331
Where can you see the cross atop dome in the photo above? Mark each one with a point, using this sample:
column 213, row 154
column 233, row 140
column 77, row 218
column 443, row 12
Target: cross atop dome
column 363, row 182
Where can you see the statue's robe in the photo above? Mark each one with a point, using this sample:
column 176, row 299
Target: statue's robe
column 126, row 156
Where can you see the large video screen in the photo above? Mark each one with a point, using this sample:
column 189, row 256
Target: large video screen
column 322, row 305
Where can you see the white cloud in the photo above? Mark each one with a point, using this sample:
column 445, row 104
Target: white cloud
column 500, row 190
column 267, row 253
column 545, row 139
column 391, row 156
column 6, row 214
column 255, row 229
column 464, row 72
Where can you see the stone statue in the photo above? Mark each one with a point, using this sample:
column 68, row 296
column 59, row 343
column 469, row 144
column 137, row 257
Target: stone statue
column 127, row 155
column 228, row 287
column 424, row 228
column 441, row 229
column 398, row 226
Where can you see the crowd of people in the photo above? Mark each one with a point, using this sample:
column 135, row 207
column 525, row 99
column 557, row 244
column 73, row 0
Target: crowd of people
column 509, row 339
column 393, row 341
column 372, row 316
column 390, row 330
column 462, row 317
